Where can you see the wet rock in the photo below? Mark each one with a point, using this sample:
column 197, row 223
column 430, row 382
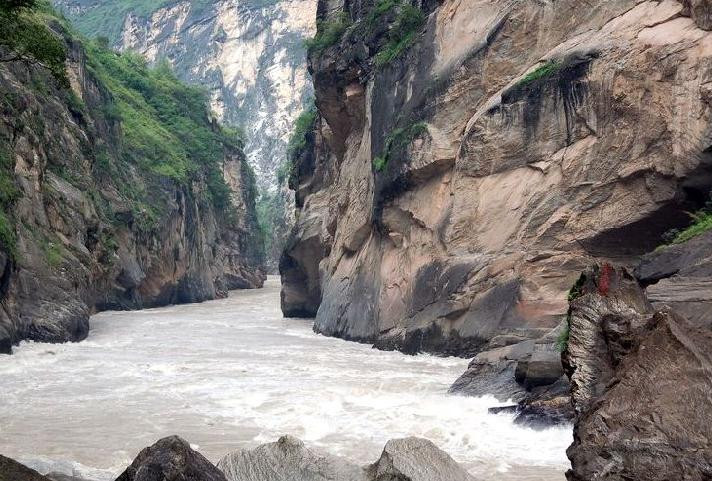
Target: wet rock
column 409, row 459
column 528, row 373
column 640, row 386
column 416, row 459
column 11, row 470
column 171, row 459
column 288, row 459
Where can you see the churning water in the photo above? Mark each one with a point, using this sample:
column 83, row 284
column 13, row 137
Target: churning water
column 233, row 373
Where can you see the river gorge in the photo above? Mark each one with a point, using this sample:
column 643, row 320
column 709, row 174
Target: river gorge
column 233, row 373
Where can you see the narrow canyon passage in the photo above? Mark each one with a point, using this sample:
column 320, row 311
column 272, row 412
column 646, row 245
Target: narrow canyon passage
column 233, row 373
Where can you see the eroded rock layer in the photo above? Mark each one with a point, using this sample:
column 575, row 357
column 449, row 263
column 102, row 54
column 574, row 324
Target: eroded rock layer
column 454, row 191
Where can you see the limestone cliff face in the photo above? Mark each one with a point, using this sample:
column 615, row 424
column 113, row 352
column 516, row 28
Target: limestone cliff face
column 452, row 194
column 249, row 54
column 74, row 242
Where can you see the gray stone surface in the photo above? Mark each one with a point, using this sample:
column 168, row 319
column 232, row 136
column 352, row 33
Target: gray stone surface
column 416, row 459
column 288, row 459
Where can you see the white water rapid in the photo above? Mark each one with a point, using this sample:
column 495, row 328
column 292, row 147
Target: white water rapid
column 233, row 373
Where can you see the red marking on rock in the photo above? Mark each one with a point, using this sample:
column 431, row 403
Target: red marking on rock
column 604, row 282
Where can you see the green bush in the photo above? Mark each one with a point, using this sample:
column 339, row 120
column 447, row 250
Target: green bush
column 328, row 33
column 548, row 69
column 563, row 340
column 302, row 126
column 54, row 254
column 396, row 140
column 702, row 223
column 402, row 34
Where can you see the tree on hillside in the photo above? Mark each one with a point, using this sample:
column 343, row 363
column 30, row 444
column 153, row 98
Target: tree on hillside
column 24, row 36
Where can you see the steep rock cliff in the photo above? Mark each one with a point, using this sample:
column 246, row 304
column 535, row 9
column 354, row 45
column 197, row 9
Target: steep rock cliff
column 104, row 206
column 250, row 55
column 465, row 167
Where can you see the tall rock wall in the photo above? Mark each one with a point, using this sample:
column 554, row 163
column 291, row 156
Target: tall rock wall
column 454, row 190
column 249, row 54
column 83, row 228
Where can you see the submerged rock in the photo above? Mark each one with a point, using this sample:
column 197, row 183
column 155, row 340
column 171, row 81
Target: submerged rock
column 171, row 459
column 528, row 373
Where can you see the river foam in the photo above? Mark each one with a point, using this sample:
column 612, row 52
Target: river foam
column 232, row 373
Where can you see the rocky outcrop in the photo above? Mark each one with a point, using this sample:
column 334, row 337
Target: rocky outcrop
column 640, row 382
column 416, row 459
column 87, row 227
column 171, row 459
column 680, row 276
column 409, row 459
column 528, row 373
column 457, row 188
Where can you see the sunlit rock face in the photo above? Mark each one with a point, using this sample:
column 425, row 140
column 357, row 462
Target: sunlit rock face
column 249, row 54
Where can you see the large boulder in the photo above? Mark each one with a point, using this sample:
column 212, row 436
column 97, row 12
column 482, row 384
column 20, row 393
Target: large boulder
column 171, row 459
column 288, row 459
column 416, row 459
column 11, row 470
column 640, row 386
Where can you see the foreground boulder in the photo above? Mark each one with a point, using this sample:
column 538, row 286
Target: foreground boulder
column 287, row 460
column 416, row 459
column 640, row 385
column 171, row 459
column 409, row 459
column 11, row 470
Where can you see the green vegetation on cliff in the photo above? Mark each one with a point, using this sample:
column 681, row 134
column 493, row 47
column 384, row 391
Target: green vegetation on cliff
column 545, row 70
column 160, row 130
column 106, row 19
column 403, row 32
column 328, row 32
column 702, row 222
column 166, row 125
column 297, row 142
column 398, row 139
